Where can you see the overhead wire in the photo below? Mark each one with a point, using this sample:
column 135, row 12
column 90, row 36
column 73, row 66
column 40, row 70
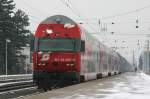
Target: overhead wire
column 121, row 14
column 123, row 34
column 117, row 15
column 34, row 9
column 83, row 18
column 126, row 13
column 75, row 11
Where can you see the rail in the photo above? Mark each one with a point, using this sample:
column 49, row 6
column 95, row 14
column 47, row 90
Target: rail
column 15, row 77
column 16, row 85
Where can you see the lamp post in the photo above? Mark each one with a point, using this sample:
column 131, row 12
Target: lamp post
column 7, row 41
column 27, row 54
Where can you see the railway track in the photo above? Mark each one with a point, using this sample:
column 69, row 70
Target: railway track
column 9, row 90
column 14, row 80
column 15, row 85
column 16, row 88
column 12, row 90
column 13, row 94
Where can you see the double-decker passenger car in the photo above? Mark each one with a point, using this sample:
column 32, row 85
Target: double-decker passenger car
column 65, row 52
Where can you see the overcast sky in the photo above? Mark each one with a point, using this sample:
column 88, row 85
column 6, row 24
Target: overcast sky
column 90, row 11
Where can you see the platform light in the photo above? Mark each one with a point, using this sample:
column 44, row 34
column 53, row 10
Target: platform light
column 49, row 31
column 7, row 41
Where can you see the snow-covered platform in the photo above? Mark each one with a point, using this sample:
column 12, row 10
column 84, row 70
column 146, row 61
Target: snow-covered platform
column 124, row 86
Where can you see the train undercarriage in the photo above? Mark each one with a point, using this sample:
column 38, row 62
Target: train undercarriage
column 49, row 81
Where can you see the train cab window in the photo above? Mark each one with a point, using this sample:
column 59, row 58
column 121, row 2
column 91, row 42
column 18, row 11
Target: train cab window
column 58, row 19
column 71, row 45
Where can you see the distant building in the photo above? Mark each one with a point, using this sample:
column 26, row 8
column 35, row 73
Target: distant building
column 144, row 60
column 28, row 59
column 26, row 52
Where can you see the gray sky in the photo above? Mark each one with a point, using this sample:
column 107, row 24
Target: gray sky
column 92, row 10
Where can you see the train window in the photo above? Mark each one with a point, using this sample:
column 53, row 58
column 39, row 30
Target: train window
column 82, row 46
column 59, row 45
column 58, row 19
column 105, row 67
column 98, row 57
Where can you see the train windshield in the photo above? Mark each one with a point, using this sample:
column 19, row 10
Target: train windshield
column 59, row 45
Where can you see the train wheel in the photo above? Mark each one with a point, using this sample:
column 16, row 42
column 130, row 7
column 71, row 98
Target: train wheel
column 76, row 82
column 99, row 76
column 39, row 84
column 82, row 79
column 45, row 85
column 45, row 89
column 109, row 74
column 38, row 87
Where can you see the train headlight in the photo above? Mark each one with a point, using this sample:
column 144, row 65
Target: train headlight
column 45, row 57
column 42, row 64
column 49, row 31
column 72, row 64
column 68, row 64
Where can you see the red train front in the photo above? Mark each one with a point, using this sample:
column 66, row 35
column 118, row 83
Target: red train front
column 64, row 53
column 57, row 51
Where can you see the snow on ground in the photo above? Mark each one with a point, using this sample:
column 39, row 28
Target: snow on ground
column 124, row 86
column 136, row 86
column 128, row 86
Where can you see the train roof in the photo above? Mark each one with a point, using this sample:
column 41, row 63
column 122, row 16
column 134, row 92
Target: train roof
column 58, row 19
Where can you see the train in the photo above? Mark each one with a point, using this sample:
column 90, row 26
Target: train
column 125, row 65
column 65, row 52
column 144, row 62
